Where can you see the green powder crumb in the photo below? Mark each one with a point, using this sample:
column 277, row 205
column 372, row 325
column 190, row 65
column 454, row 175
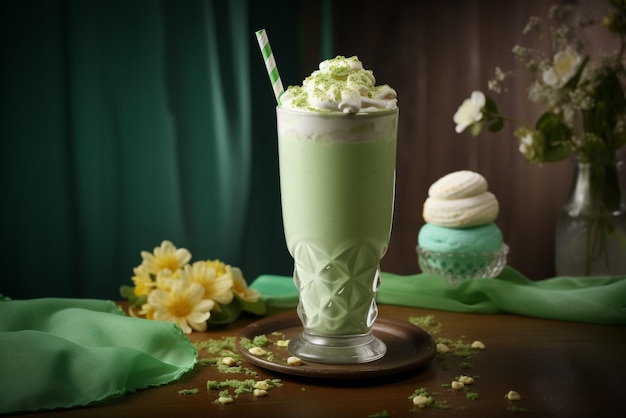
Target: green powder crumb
column 261, row 340
column 419, row 391
column 461, row 349
column 435, row 402
column 458, row 348
column 246, row 343
column 513, row 408
column 460, row 377
column 383, row 414
column 222, row 395
column 223, row 368
column 212, row 384
column 427, row 322
column 217, row 349
column 221, row 346
column 441, row 404
column 240, row 386
column 188, row 391
column 258, row 341
column 472, row 396
column 463, row 353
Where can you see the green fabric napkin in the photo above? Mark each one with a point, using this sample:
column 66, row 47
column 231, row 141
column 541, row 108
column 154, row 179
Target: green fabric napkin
column 599, row 300
column 58, row 353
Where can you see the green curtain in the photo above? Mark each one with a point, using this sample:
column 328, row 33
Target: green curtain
column 127, row 122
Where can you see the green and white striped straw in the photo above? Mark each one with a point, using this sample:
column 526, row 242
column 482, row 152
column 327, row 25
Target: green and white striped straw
column 270, row 63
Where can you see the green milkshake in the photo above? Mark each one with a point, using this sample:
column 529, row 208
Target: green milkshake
column 337, row 175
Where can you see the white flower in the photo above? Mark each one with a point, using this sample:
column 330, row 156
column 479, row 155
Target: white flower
column 182, row 305
column 525, row 143
column 470, row 111
column 531, row 144
column 565, row 65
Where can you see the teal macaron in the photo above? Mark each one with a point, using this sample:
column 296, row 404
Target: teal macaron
column 475, row 239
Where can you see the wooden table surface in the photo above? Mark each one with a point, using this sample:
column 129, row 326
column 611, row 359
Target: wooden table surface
column 560, row 369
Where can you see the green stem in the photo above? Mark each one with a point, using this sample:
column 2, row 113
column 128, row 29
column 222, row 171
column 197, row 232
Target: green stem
column 491, row 115
column 597, row 242
column 602, row 195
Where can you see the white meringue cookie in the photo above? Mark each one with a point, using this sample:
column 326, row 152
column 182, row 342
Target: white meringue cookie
column 461, row 213
column 457, row 185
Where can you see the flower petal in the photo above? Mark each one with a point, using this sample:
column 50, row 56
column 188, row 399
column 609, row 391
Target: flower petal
column 470, row 111
column 198, row 317
column 205, row 305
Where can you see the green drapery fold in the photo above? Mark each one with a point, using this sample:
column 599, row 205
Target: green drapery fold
column 85, row 350
column 126, row 123
column 597, row 300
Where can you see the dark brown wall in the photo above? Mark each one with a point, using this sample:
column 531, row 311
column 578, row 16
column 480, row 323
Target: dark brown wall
column 434, row 53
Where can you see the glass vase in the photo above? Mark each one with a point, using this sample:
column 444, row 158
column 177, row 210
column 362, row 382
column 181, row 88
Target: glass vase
column 591, row 227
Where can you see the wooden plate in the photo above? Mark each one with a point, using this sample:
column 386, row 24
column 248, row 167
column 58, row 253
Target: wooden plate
column 408, row 348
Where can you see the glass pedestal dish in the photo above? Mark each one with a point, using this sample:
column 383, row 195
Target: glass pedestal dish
column 458, row 267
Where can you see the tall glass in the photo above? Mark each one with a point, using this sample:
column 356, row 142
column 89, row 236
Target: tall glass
column 337, row 179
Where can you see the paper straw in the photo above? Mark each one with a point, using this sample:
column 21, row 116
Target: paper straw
column 270, row 63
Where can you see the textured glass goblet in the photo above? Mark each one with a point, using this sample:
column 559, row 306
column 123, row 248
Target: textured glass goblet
column 337, row 179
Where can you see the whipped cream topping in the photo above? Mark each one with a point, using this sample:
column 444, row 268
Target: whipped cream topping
column 460, row 200
column 340, row 85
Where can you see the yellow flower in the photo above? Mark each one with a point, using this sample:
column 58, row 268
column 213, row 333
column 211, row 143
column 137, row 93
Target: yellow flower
column 182, row 305
column 143, row 281
column 165, row 278
column 216, row 287
column 147, row 311
column 168, row 288
column 240, row 287
column 218, row 266
column 167, row 256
